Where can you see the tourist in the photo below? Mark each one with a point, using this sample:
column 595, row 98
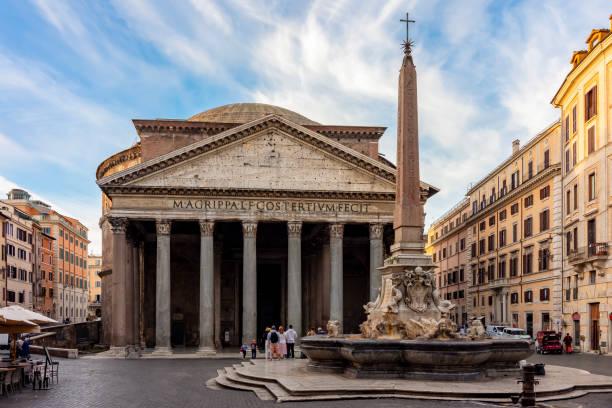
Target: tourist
column 282, row 342
column 291, row 336
column 567, row 343
column 253, row 349
column 274, row 338
column 266, row 343
column 311, row 332
column 25, row 348
column 243, row 350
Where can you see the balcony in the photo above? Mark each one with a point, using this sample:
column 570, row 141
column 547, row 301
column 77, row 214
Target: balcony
column 499, row 283
column 588, row 258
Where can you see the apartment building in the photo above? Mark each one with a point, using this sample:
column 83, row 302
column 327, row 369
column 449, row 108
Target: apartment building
column 585, row 103
column 447, row 245
column 44, row 289
column 70, row 281
column 94, row 267
column 17, row 229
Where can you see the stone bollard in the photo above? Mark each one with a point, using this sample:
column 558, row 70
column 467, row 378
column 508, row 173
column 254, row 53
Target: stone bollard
column 528, row 396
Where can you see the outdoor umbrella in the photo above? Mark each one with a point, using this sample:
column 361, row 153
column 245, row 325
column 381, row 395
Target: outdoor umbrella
column 17, row 320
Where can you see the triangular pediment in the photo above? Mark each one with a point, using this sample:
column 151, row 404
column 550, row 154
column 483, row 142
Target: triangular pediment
column 270, row 153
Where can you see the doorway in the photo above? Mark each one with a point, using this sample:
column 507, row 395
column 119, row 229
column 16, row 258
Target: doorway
column 529, row 323
column 594, row 314
column 577, row 333
column 269, row 291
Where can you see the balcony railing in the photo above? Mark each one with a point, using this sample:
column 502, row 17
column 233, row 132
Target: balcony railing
column 588, row 253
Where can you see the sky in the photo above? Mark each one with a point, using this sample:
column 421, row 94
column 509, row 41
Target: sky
column 73, row 74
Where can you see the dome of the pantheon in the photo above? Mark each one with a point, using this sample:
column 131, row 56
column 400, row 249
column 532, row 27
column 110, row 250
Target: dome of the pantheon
column 246, row 112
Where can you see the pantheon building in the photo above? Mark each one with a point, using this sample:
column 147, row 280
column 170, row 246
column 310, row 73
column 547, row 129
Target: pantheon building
column 237, row 218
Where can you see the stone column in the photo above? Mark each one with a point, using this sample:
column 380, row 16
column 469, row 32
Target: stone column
column 336, row 231
column 376, row 259
column 294, row 276
column 129, row 290
column 249, row 282
column 118, row 332
column 207, row 289
column 136, row 292
column 162, row 290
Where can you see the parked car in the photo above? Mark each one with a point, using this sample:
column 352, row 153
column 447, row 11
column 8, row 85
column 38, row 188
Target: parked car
column 515, row 333
column 548, row 341
column 495, row 330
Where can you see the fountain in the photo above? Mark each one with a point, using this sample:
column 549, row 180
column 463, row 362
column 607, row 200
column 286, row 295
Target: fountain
column 408, row 333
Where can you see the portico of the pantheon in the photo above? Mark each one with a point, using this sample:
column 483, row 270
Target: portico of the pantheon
column 237, row 218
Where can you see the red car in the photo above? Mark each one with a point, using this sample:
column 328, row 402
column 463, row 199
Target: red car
column 548, row 342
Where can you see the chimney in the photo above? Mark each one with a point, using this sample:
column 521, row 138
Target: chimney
column 515, row 146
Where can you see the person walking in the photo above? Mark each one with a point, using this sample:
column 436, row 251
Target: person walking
column 254, row 349
column 243, row 350
column 274, row 338
column 567, row 343
column 266, row 337
column 282, row 340
column 291, row 336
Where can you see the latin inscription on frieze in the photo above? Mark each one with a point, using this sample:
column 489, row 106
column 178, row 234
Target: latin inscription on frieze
column 271, row 206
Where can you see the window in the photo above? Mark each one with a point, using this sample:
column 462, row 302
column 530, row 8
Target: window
column 574, row 118
column 528, row 296
column 544, row 192
column 566, row 128
column 544, row 294
column 514, row 208
column 575, row 197
column 568, row 198
column 514, row 232
column 591, row 140
column 474, row 299
column 513, row 266
column 514, row 299
column 462, row 244
column 575, row 237
column 543, row 257
column 434, row 257
column 491, row 220
column 529, row 170
column 591, row 186
column 491, row 242
column 491, row 272
column 481, row 247
column 591, row 277
column 490, row 300
column 443, row 253
column 574, row 154
column 474, row 249
column 546, row 158
column 61, row 233
column 502, row 238
column 529, row 200
column 502, row 215
column 482, row 226
column 461, row 275
column 568, row 241
column 528, row 227
column 590, row 103
column 544, row 220
column 514, row 180
column 567, row 161
column 10, row 296
column 527, row 263
column 501, row 269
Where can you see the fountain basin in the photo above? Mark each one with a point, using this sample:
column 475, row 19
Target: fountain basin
column 451, row 360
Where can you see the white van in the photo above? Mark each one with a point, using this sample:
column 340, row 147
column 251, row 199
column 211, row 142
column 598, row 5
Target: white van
column 4, row 342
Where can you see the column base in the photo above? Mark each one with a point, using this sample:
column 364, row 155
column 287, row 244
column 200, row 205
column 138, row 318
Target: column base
column 132, row 352
column 162, row 352
column 206, row 351
column 118, row 351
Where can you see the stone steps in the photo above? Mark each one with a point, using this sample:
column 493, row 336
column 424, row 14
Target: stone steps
column 269, row 383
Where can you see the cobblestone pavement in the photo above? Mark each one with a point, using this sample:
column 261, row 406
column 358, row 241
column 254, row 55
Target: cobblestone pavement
column 181, row 383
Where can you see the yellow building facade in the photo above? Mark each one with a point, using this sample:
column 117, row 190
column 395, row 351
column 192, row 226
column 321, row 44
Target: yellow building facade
column 94, row 268
column 504, row 241
column 585, row 102
column 447, row 245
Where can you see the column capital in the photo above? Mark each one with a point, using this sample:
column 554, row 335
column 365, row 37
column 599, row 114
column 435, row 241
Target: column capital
column 207, row 227
column 118, row 224
column 163, row 227
column 336, row 230
column 294, row 228
column 376, row 230
column 249, row 228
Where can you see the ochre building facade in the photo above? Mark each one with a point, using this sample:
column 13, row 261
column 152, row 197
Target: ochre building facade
column 241, row 217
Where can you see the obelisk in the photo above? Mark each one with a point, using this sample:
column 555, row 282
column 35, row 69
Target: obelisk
column 408, row 212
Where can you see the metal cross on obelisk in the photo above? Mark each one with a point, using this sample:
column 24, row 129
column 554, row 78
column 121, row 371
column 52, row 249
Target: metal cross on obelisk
column 407, row 21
